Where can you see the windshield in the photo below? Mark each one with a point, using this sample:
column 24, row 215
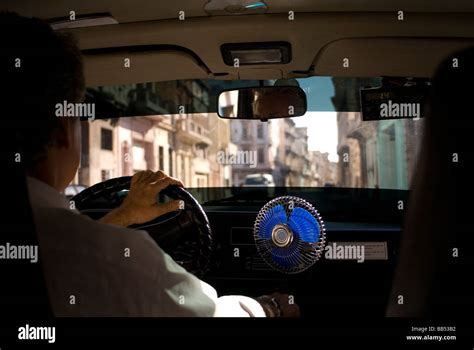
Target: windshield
column 173, row 126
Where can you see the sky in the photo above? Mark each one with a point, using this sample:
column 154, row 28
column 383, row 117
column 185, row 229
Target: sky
column 322, row 125
column 322, row 132
column 319, row 92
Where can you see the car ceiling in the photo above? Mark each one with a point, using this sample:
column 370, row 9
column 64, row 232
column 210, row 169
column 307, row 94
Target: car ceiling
column 322, row 35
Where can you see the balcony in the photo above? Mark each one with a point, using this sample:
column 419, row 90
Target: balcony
column 190, row 132
column 201, row 117
column 307, row 171
column 290, row 135
column 201, row 165
column 145, row 102
column 292, row 150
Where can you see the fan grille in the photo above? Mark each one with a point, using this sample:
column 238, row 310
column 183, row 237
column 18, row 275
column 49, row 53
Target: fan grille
column 289, row 234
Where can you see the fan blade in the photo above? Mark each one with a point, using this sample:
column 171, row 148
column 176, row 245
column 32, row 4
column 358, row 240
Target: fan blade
column 273, row 217
column 286, row 257
column 304, row 225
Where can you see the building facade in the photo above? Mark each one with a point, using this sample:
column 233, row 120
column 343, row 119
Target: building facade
column 377, row 154
column 181, row 144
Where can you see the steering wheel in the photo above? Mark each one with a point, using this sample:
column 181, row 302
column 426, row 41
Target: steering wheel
column 185, row 235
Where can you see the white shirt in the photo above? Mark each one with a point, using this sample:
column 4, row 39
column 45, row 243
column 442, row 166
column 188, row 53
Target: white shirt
column 95, row 269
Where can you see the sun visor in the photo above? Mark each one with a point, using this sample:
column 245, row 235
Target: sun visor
column 400, row 57
column 140, row 67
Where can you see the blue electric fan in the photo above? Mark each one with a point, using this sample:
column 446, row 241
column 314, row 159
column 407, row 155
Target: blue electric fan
column 289, row 234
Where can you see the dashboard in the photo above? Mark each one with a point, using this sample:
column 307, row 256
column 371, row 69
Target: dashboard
column 351, row 275
column 338, row 285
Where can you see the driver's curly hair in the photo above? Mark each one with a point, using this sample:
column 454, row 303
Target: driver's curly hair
column 39, row 68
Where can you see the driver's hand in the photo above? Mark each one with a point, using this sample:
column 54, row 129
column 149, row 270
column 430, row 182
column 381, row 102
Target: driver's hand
column 141, row 205
column 279, row 305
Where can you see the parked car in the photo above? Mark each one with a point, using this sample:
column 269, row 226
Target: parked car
column 259, row 180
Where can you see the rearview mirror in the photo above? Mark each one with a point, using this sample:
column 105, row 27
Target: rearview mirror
column 263, row 103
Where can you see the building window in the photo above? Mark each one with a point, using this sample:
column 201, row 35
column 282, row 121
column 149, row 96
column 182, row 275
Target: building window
column 170, row 157
column 261, row 156
column 245, row 134
column 183, row 169
column 260, row 131
column 161, row 158
column 201, row 151
column 201, row 180
column 85, row 146
column 105, row 174
column 106, row 139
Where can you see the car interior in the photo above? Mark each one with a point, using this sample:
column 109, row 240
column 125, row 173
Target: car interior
column 236, row 234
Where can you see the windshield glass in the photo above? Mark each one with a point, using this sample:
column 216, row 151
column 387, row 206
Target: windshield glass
column 173, row 126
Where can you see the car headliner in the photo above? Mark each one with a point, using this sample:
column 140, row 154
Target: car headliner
column 323, row 33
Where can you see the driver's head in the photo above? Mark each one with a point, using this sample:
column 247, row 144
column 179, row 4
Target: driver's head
column 40, row 68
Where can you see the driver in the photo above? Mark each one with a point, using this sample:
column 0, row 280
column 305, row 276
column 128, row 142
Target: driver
column 95, row 268
column 274, row 103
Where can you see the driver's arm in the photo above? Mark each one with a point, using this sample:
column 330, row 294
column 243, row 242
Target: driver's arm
column 186, row 295
column 183, row 294
column 190, row 296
